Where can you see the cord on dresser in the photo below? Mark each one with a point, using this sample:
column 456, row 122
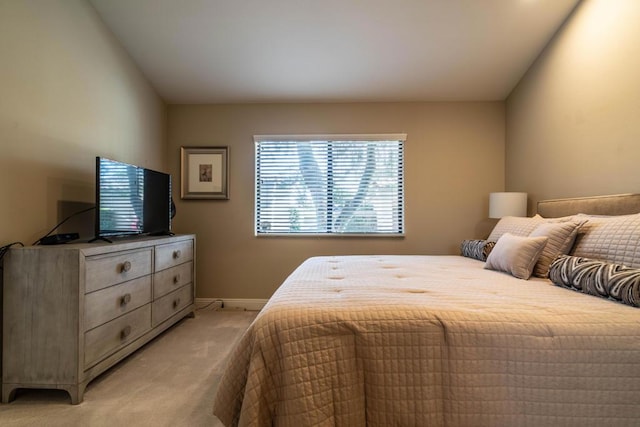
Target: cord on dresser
column 62, row 222
column 4, row 249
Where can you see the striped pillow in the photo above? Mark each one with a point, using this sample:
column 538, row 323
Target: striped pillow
column 476, row 249
column 608, row 280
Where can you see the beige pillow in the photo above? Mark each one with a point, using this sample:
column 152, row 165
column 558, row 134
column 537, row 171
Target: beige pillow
column 518, row 226
column 561, row 237
column 615, row 239
column 516, row 255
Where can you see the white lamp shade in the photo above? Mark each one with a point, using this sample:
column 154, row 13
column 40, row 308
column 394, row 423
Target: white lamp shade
column 507, row 204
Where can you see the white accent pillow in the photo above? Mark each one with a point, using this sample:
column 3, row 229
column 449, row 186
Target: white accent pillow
column 516, row 255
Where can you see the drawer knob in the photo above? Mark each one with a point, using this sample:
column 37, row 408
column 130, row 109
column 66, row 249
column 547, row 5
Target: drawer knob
column 176, row 303
column 125, row 332
column 125, row 266
column 125, row 299
column 176, row 279
column 177, row 254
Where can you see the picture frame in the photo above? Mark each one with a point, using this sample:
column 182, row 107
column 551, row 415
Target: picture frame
column 204, row 173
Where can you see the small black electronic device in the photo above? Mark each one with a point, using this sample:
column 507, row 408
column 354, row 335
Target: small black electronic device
column 58, row 239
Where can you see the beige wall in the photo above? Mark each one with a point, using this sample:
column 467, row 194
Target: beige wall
column 573, row 125
column 69, row 93
column 454, row 156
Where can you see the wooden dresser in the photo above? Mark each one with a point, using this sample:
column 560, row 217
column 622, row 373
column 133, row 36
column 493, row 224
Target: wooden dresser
column 72, row 311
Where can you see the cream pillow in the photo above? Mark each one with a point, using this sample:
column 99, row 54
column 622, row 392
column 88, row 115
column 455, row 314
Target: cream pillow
column 516, row 255
column 561, row 237
column 614, row 239
column 519, row 226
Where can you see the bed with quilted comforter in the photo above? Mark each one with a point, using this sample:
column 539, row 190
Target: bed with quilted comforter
column 448, row 341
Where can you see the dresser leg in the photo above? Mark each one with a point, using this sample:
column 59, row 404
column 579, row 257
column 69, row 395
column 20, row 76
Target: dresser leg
column 76, row 392
column 8, row 393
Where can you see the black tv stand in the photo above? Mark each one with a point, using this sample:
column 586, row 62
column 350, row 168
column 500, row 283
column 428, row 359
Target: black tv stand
column 162, row 233
column 104, row 239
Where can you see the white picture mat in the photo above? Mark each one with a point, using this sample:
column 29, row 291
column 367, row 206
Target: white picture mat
column 196, row 184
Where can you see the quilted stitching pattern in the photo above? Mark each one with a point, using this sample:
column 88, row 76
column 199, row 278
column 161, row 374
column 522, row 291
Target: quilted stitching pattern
column 517, row 226
column 431, row 341
column 612, row 239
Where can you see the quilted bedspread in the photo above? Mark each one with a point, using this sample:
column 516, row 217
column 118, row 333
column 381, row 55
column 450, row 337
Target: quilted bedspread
column 431, row 341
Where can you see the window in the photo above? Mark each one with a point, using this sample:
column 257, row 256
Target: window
column 330, row 185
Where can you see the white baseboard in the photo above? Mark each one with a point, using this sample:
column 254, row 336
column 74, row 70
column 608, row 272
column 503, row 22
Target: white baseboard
column 231, row 303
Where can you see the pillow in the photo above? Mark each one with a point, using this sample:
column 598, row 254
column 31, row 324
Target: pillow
column 613, row 239
column 607, row 280
column 477, row 249
column 519, row 226
column 516, row 255
column 561, row 237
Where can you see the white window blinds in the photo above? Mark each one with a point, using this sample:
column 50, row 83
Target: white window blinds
column 349, row 184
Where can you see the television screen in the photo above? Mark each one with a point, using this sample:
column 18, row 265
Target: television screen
column 157, row 202
column 131, row 200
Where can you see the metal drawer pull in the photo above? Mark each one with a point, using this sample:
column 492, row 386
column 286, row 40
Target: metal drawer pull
column 177, row 254
column 125, row 299
column 176, row 279
column 176, row 303
column 125, row 332
column 125, row 266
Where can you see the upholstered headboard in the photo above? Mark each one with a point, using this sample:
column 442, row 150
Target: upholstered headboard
column 618, row 204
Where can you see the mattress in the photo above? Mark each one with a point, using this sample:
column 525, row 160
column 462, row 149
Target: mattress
column 431, row 341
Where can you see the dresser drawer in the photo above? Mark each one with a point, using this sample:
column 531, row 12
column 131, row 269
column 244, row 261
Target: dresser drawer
column 108, row 303
column 171, row 279
column 173, row 254
column 172, row 303
column 106, row 270
column 104, row 340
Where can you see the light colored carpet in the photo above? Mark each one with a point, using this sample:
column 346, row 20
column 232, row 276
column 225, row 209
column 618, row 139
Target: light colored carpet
column 168, row 382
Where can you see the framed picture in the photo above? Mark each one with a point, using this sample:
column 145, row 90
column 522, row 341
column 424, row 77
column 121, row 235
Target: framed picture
column 204, row 172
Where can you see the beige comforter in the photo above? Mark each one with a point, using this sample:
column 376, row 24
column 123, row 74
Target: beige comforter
column 431, row 341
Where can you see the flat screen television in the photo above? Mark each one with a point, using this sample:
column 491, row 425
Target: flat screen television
column 131, row 200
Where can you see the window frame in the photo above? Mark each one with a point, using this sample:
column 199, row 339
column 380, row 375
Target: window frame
column 400, row 137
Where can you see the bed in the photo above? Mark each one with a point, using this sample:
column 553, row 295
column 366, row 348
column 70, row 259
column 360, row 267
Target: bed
column 446, row 341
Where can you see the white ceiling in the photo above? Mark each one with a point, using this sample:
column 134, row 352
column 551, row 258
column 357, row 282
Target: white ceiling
column 228, row 51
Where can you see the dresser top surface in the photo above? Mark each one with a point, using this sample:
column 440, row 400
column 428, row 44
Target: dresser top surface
column 118, row 244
